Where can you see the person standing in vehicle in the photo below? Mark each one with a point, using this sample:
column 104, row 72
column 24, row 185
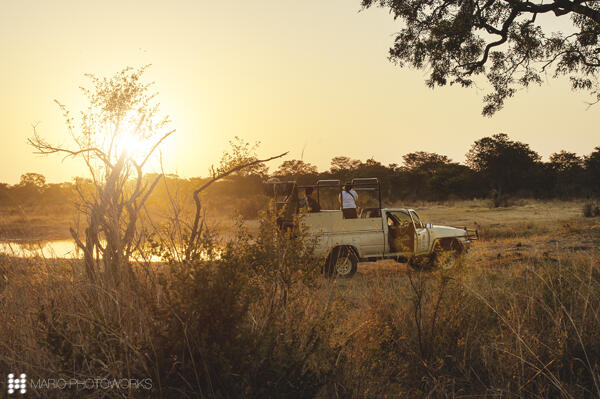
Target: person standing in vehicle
column 348, row 198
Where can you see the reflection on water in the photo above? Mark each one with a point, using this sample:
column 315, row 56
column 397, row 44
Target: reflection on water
column 47, row 249
column 60, row 249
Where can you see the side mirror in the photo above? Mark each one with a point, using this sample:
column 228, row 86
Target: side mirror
column 428, row 225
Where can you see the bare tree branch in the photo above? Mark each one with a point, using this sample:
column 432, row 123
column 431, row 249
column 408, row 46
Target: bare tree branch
column 155, row 146
column 194, row 234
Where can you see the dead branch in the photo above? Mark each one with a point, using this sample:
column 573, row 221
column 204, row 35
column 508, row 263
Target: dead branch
column 194, row 233
column 45, row 148
column 156, row 146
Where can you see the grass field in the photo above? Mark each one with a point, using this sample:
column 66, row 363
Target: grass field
column 36, row 223
column 518, row 317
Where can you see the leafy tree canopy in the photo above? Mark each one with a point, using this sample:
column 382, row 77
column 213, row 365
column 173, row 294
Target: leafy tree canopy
column 241, row 153
column 592, row 165
column 564, row 161
column 593, row 160
column 343, row 164
column 425, row 161
column 296, row 167
column 33, row 179
column 502, row 161
column 456, row 40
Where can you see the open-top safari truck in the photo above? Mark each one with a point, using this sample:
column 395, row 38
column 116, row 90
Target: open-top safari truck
column 377, row 233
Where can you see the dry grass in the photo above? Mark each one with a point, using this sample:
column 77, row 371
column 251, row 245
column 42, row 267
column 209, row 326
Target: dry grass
column 519, row 317
column 36, row 223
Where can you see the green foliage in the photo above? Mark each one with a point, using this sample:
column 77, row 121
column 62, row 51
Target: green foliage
column 568, row 171
column 495, row 164
column 33, row 179
column 342, row 164
column 456, row 41
column 505, row 164
column 241, row 152
column 592, row 167
column 295, row 168
column 425, row 161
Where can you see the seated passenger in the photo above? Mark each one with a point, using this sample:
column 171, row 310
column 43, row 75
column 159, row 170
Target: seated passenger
column 401, row 232
column 312, row 204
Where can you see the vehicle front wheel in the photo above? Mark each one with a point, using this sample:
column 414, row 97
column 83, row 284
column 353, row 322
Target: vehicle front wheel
column 446, row 258
column 341, row 262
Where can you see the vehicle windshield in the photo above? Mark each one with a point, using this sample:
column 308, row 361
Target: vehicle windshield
column 416, row 219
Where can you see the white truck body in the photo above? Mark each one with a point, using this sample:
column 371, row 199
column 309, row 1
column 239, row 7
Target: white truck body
column 378, row 233
column 372, row 238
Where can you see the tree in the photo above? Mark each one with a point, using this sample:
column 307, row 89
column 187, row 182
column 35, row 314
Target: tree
column 295, row 167
column 372, row 168
column 457, row 40
column 231, row 163
column 567, row 168
column 433, row 176
column 428, row 162
column 564, row 161
column 342, row 164
column 343, row 167
column 504, row 163
column 30, row 188
column 4, row 194
column 33, row 179
column 116, row 136
column 592, row 168
column 241, row 153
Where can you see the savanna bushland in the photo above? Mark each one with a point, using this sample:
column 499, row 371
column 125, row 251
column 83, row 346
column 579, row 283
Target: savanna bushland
column 497, row 169
column 235, row 307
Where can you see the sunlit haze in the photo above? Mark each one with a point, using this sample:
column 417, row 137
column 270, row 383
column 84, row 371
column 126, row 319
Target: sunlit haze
column 310, row 77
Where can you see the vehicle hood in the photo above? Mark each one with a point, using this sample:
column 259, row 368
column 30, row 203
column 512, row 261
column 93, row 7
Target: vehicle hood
column 447, row 231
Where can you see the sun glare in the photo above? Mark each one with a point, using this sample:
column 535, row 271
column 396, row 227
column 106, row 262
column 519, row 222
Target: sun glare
column 130, row 141
column 130, row 146
column 135, row 147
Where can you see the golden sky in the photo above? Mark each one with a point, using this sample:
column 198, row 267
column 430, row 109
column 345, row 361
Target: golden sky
column 310, row 77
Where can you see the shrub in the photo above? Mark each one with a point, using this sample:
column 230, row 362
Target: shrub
column 499, row 199
column 253, row 318
column 532, row 331
column 591, row 209
column 240, row 321
column 243, row 324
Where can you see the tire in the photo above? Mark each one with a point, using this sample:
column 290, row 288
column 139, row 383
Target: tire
column 446, row 259
column 341, row 262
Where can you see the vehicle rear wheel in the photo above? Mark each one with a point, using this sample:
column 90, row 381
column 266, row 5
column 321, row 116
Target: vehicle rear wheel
column 341, row 262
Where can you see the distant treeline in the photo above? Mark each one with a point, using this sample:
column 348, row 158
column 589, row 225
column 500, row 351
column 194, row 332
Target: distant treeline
column 496, row 167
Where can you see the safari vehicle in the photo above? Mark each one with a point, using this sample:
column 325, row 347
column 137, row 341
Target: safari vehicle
column 377, row 233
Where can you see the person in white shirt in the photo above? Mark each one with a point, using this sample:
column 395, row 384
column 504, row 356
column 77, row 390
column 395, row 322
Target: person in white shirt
column 348, row 198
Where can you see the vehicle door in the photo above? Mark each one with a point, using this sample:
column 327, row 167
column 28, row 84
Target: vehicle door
column 400, row 233
column 421, row 234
